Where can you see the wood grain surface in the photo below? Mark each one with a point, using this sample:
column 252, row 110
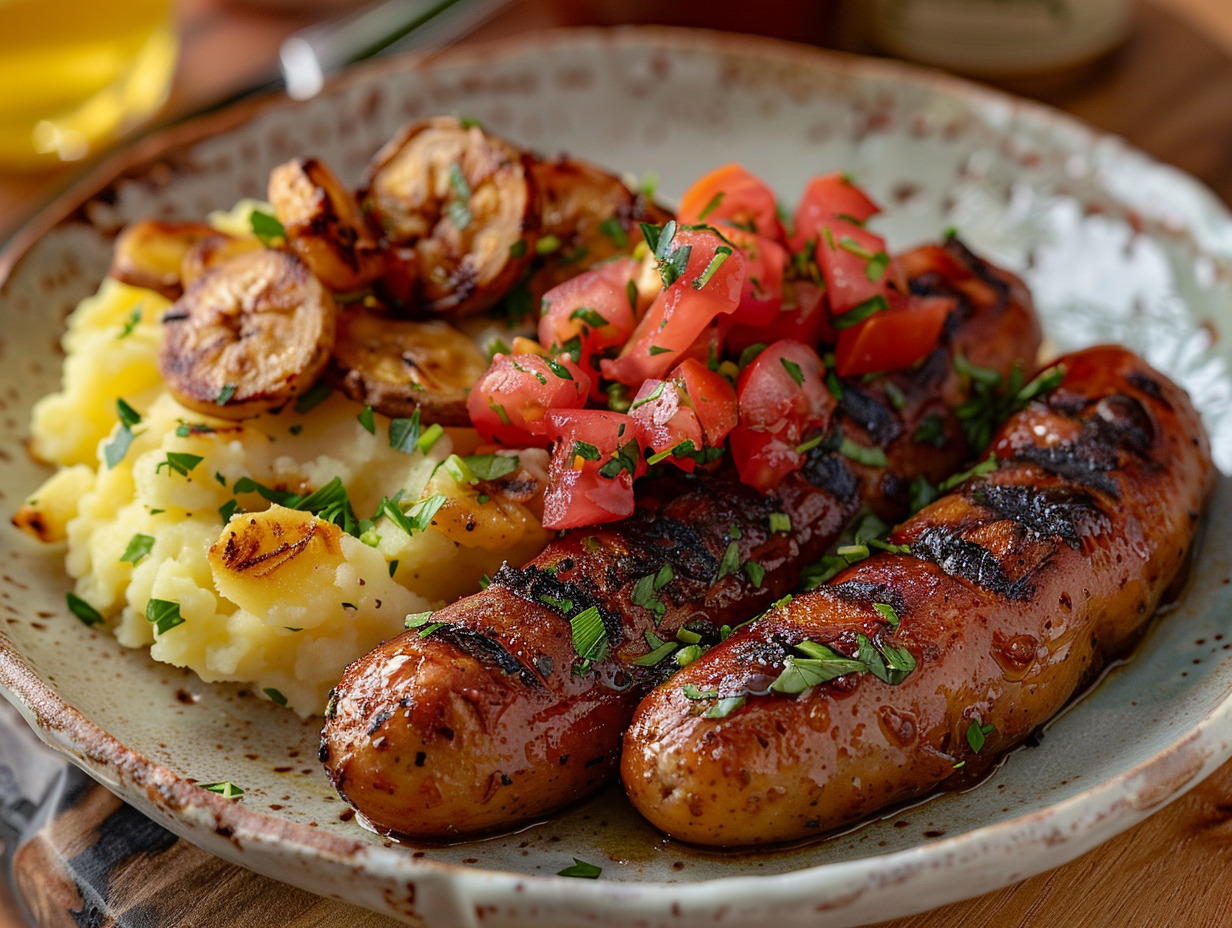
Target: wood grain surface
column 97, row 862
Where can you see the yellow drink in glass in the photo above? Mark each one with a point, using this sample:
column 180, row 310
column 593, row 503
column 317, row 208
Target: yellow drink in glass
column 75, row 74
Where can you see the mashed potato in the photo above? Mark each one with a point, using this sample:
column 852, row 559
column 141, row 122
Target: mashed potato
column 190, row 535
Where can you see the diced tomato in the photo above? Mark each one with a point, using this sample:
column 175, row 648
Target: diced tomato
column 782, row 397
column 593, row 466
column 712, row 397
column 591, row 313
column 854, row 263
column 510, row 402
column 665, row 421
column 688, row 414
column 730, row 195
column 762, row 459
column 826, row 197
column 803, row 318
column 762, row 295
column 710, row 286
column 893, row 338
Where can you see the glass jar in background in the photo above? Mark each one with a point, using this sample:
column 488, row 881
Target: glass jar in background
column 76, row 74
column 1000, row 39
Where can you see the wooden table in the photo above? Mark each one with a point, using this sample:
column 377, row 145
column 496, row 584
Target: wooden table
column 1169, row 91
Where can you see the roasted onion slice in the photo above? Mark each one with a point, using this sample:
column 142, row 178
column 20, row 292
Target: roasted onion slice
column 459, row 206
column 588, row 216
column 398, row 366
column 149, row 253
column 324, row 225
column 249, row 335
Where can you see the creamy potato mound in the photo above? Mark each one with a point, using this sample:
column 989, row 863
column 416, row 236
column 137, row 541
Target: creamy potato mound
column 173, row 539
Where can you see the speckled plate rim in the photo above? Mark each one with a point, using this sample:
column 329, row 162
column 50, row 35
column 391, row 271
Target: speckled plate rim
column 837, row 894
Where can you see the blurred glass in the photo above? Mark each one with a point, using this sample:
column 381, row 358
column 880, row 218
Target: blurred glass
column 77, row 74
column 998, row 39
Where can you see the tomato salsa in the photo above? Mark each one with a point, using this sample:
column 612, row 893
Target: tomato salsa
column 717, row 337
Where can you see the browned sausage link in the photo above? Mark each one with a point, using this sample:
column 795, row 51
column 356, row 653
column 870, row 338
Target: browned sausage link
column 1010, row 596
column 487, row 716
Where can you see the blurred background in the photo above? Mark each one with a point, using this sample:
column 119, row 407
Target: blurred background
column 78, row 77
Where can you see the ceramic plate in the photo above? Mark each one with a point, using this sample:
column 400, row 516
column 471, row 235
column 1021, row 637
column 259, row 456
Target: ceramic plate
column 1115, row 246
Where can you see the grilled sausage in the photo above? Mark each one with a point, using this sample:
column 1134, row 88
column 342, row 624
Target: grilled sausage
column 918, row 667
column 485, row 715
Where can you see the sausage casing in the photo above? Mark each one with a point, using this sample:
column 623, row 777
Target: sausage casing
column 1000, row 601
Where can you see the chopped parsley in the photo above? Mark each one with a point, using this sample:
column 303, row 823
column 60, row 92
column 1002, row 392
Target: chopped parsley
column 582, row 870
column 139, row 547
column 822, row 664
column 931, row 431
column 180, row 462
column 188, row 429
column 857, row 314
column 586, row 451
column 730, row 562
column 625, row 458
column 548, row 244
column 986, row 466
column 266, row 227
column 114, row 450
column 415, row 519
column 671, row 261
column 490, row 466
column 645, row 588
column 649, row 397
column 314, row 396
column 404, row 433
column 367, row 419
column 995, row 398
column 83, row 610
column 977, row 734
column 712, row 205
column 659, row 649
column 921, row 493
column 558, row 369
column 423, row 622
column 275, row 696
column 749, row 354
column 456, row 209
column 755, row 572
column 888, row 612
column 130, row 324
column 614, row 229
column 499, row 410
column 164, row 614
column 589, row 316
column 226, row 788
column 225, row 394
column 793, row 370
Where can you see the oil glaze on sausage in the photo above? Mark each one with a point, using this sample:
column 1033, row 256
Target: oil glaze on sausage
column 1009, row 595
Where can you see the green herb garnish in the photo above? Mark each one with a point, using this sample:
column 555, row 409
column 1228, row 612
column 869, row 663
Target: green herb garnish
column 139, row 547
column 83, row 610
column 164, row 614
